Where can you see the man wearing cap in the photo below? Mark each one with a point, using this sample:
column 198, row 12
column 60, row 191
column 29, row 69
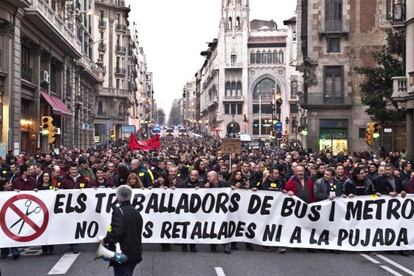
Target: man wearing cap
column 125, row 229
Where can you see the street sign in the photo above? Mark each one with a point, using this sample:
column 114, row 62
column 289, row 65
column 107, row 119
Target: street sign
column 229, row 146
column 278, row 126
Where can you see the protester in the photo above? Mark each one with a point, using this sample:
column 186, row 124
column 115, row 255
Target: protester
column 301, row 186
column 134, row 182
column 359, row 184
column 125, row 229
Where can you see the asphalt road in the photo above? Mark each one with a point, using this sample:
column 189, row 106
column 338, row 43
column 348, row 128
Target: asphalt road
column 241, row 262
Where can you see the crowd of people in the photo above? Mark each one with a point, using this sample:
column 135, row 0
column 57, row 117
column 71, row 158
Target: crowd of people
column 200, row 163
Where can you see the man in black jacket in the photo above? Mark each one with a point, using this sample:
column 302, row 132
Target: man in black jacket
column 126, row 229
column 389, row 184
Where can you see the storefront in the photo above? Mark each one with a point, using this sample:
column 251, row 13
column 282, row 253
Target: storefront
column 333, row 135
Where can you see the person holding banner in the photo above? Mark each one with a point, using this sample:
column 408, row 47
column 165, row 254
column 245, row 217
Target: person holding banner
column 125, row 229
column 359, row 184
column 327, row 187
column 74, row 180
column 46, row 184
column 301, row 186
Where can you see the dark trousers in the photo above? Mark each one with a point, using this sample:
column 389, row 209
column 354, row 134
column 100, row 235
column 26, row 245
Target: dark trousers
column 14, row 251
column 126, row 269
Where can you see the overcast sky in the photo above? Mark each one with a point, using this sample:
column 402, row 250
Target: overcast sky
column 174, row 32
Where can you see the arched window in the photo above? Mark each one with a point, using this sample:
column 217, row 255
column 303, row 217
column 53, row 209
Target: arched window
column 269, row 57
column 230, row 24
column 252, row 58
column 121, row 109
column 265, row 88
column 228, row 89
column 258, row 57
column 239, row 88
column 281, row 56
column 238, row 23
column 275, row 60
column 233, row 88
column 264, row 60
column 100, row 108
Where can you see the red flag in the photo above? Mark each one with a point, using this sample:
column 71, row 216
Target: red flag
column 133, row 144
column 151, row 144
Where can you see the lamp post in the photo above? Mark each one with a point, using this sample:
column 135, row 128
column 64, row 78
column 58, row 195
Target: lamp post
column 276, row 110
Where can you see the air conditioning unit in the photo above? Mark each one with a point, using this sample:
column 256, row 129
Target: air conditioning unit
column 45, row 76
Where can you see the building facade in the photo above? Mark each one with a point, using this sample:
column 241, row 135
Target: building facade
column 246, row 69
column 404, row 85
column 334, row 37
column 46, row 70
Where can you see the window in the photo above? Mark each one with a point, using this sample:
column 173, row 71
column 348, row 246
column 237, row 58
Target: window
column 117, row 83
column 233, row 88
column 119, row 19
column 239, row 108
column 333, row 15
column 230, row 24
column 280, row 56
column 333, row 84
column 233, row 59
column 361, row 133
column 101, row 14
column 226, row 108
column 26, row 64
column 395, row 10
column 238, row 23
column 333, row 44
column 265, row 88
column 239, row 88
column 264, row 57
column 100, row 108
column 294, row 108
column 252, row 58
column 233, row 108
column 258, row 57
column 266, row 109
column 293, row 89
column 275, row 57
column 228, row 89
column 269, row 57
column 118, row 60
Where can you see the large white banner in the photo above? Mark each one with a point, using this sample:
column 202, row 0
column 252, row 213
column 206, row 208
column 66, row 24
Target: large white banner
column 211, row 216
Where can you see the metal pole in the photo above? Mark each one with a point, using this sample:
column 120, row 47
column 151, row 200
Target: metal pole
column 260, row 113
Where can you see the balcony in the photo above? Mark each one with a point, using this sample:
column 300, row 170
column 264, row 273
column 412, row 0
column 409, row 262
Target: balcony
column 323, row 101
column 233, row 98
column 69, row 92
column 27, row 73
column 121, row 28
column 113, row 3
column 400, row 91
column 102, row 47
column 334, row 27
column 120, row 49
column 89, row 67
column 234, row 65
column 41, row 14
column 120, row 71
column 102, row 24
column 398, row 14
column 113, row 92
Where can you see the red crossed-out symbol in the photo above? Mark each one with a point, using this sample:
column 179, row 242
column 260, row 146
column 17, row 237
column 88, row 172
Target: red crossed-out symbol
column 24, row 217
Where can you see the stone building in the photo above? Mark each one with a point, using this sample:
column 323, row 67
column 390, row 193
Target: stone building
column 245, row 70
column 404, row 85
column 189, row 105
column 113, row 55
column 46, row 70
column 334, row 37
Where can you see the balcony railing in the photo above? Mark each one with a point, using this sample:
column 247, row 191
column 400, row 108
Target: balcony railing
column 27, row 73
column 121, row 27
column 322, row 100
column 236, row 98
column 120, row 71
column 334, row 27
column 120, row 49
column 102, row 47
column 118, row 3
column 60, row 27
column 102, row 24
column 399, row 87
column 398, row 12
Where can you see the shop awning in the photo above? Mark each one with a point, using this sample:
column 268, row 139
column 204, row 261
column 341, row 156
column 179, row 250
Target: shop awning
column 58, row 107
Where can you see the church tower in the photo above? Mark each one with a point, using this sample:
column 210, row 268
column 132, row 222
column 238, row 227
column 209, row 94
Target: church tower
column 233, row 59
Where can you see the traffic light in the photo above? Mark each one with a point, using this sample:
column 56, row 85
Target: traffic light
column 376, row 127
column 46, row 122
column 112, row 134
column 52, row 134
column 369, row 134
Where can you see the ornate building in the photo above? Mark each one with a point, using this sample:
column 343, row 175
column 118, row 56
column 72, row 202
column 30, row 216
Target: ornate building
column 46, row 70
column 246, row 70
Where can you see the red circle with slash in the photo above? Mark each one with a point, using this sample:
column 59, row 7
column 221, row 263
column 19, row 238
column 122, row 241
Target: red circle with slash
column 38, row 229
